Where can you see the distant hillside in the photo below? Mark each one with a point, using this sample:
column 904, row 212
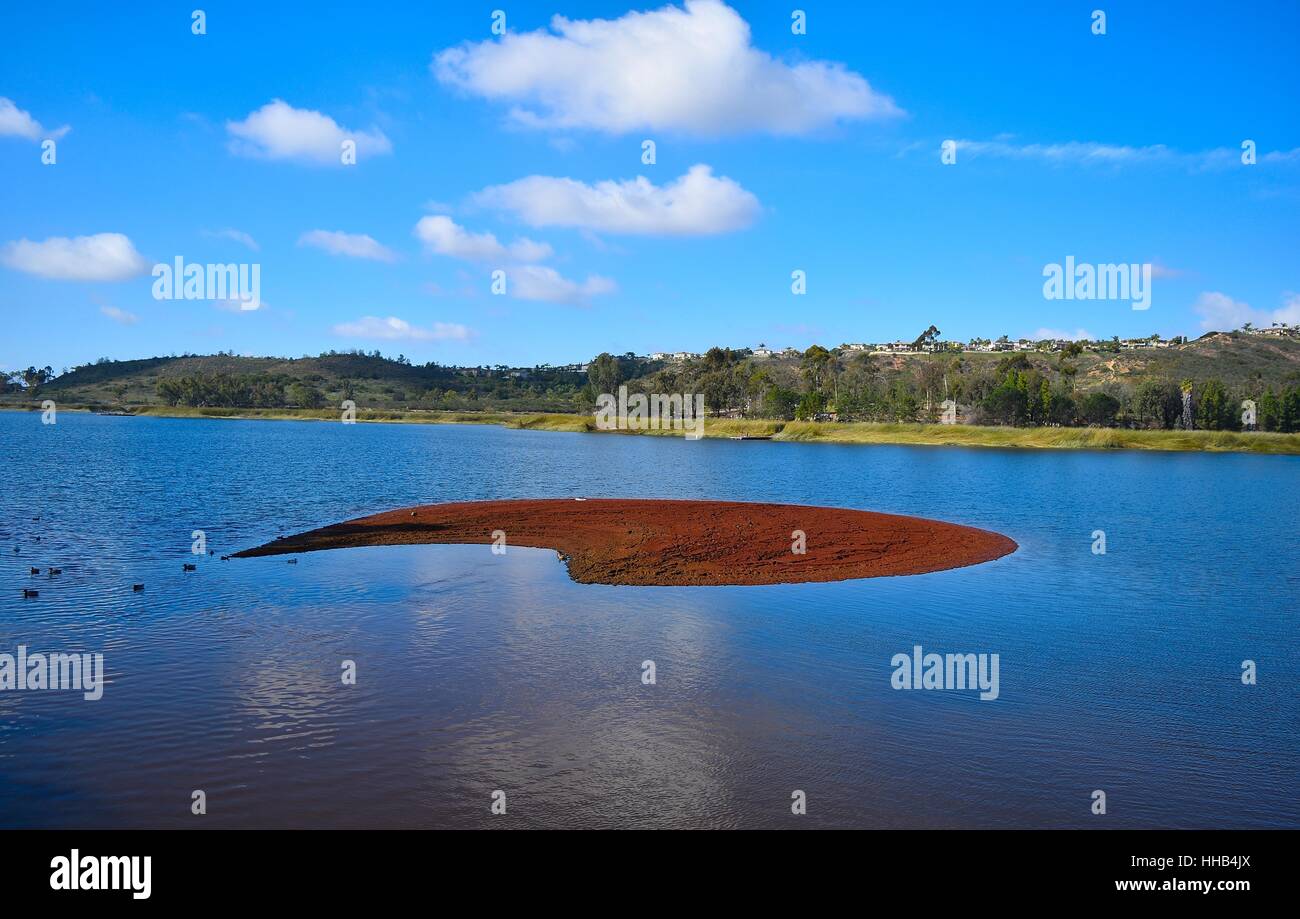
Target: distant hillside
column 1233, row 357
column 1103, row 386
column 310, row 382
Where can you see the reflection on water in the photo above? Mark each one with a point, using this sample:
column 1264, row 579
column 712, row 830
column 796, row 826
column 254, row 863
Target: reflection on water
column 478, row 672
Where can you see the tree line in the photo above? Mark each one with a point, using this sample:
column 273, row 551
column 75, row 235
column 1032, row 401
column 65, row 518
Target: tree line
column 1014, row 390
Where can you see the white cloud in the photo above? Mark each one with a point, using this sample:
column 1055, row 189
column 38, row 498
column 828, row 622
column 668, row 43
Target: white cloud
column 1290, row 311
column 1068, row 152
column 279, row 131
column 1221, row 313
column 1076, row 335
column 538, row 282
column 694, row 204
column 394, row 329
column 353, row 245
column 690, row 69
column 102, row 257
column 117, row 315
column 15, row 122
column 238, row 236
column 445, row 237
column 1093, row 153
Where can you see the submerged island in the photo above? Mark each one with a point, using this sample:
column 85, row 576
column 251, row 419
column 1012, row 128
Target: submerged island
column 651, row 542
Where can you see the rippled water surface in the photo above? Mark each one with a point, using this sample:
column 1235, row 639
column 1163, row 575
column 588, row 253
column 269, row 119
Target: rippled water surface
column 476, row 672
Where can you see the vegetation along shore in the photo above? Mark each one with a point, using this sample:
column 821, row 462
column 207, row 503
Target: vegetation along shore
column 1187, row 395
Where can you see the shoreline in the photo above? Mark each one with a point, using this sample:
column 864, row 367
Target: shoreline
column 674, row 543
column 831, row 432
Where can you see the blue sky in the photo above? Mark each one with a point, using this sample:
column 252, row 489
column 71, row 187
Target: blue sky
column 822, row 154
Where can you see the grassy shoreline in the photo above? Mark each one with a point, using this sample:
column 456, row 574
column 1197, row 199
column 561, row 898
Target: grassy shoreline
column 863, row 432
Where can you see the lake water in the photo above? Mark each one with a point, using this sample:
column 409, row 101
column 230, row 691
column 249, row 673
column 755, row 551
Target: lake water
column 476, row 673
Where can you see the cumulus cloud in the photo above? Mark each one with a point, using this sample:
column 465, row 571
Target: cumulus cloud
column 14, row 122
column 538, row 282
column 695, row 204
column 394, row 329
column 102, row 257
column 117, row 315
column 1221, row 313
column 445, row 237
column 353, row 245
column 691, row 69
column 1061, row 334
column 279, row 131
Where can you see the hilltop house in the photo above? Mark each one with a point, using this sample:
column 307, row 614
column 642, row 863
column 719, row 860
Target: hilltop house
column 1278, row 330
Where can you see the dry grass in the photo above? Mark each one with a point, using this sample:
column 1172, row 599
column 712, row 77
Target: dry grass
column 810, row 432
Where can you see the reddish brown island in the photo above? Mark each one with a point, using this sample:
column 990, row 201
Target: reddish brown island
column 654, row 542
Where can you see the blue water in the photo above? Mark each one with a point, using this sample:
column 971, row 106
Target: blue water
column 477, row 673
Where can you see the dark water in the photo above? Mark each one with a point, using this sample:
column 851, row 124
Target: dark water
column 1118, row 672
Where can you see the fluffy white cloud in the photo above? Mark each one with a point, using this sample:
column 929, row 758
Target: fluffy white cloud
column 15, row 122
column 690, row 69
column 102, row 257
column 353, row 245
column 1221, row 313
column 117, row 315
column 394, row 329
column 445, row 237
column 1290, row 311
column 695, row 204
column 537, row 282
column 281, row 132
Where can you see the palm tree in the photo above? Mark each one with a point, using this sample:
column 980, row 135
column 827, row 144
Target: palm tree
column 1186, row 387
